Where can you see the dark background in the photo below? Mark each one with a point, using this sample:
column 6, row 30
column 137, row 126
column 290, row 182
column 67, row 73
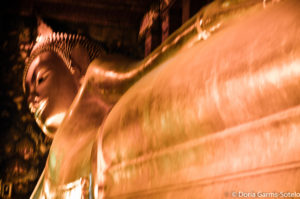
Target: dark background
column 23, row 147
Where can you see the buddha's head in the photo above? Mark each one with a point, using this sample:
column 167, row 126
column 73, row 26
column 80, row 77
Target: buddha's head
column 53, row 75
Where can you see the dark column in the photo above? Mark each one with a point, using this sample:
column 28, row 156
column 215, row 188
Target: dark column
column 185, row 10
column 148, row 42
column 165, row 23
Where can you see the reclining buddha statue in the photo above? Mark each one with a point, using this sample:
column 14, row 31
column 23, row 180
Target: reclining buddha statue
column 211, row 113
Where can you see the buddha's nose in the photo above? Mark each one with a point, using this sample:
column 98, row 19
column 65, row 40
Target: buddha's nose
column 31, row 97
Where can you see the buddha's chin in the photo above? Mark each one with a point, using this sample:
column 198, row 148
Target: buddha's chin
column 52, row 124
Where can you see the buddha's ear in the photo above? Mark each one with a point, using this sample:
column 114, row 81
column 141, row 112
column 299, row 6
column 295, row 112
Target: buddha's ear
column 80, row 60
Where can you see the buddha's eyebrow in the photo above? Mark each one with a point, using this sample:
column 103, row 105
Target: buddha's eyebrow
column 33, row 75
column 27, row 83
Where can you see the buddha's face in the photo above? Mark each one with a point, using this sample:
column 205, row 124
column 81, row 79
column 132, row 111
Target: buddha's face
column 51, row 88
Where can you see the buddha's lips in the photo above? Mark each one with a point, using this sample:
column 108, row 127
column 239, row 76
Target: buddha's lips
column 40, row 109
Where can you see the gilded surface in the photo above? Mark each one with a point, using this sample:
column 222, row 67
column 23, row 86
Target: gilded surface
column 217, row 113
column 208, row 120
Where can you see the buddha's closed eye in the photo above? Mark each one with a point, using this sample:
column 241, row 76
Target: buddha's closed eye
column 41, row 77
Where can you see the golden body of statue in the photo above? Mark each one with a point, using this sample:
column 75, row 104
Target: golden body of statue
column 212, row 113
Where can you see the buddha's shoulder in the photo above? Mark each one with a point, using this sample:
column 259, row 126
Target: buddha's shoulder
column 112, row 62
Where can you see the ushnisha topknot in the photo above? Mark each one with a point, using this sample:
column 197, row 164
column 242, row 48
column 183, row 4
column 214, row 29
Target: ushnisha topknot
column 61, row 44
